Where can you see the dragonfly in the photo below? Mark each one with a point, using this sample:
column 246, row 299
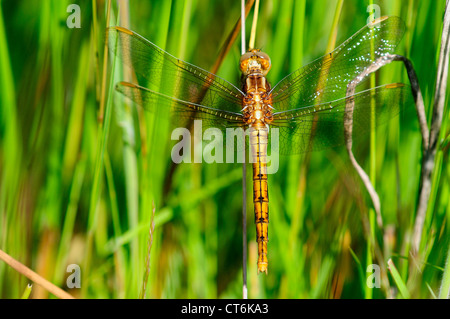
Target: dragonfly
column 307, row 106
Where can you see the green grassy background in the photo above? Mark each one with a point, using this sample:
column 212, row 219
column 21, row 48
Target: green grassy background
column 78, row 180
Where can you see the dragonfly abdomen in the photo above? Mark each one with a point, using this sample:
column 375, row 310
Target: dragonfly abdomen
column 258, row 146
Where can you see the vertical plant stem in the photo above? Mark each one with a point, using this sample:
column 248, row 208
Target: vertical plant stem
column 251, row 43
column 243, row 27
column 147, row 259
column 244, row 226
column 244, row 182
column 296, row 179
column 103, row 130
column 11, row 140
column 334, row 27
column 435, row 129
column 130, row 168
column 372, row 169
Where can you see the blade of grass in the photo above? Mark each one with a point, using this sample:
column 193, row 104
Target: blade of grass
column 102, row 141
column 444, row 291
column 27, row 292
column 75, row 125
column 431, row 291
column 296, row 179
column 152, row 178
column 361, row 272
column 147, row 261
column 398, row 280
column 69, row 218
column 130, row 165
column 10, row 150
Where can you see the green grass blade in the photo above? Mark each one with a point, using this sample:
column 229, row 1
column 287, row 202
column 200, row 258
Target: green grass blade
column 398, row 280
column 444, row 291
column 27, row 292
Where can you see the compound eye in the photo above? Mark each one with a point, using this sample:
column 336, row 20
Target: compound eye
column 244, row 61
column 246, row 56
column 263, row 55
column 265, row 61
column 244, row 66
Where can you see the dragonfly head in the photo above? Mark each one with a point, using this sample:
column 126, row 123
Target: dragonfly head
column 255, row 61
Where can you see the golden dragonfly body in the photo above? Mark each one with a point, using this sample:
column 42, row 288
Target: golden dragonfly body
column 258, row 115
column 307, row 106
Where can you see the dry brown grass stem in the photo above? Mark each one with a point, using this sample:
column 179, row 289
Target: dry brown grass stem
column 435, row 129
column 36, row 278
column 348, row 120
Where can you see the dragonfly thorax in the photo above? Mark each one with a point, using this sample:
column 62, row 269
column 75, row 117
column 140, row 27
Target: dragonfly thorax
column 257, row 101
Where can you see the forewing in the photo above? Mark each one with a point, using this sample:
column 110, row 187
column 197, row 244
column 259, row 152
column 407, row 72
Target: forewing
column 326, row 78
column 171, row 76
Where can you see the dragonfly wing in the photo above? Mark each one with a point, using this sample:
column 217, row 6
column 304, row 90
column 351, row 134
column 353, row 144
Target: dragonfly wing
column 326, row 78
column 181, row 112
column 321, row 126
column 171, row 76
